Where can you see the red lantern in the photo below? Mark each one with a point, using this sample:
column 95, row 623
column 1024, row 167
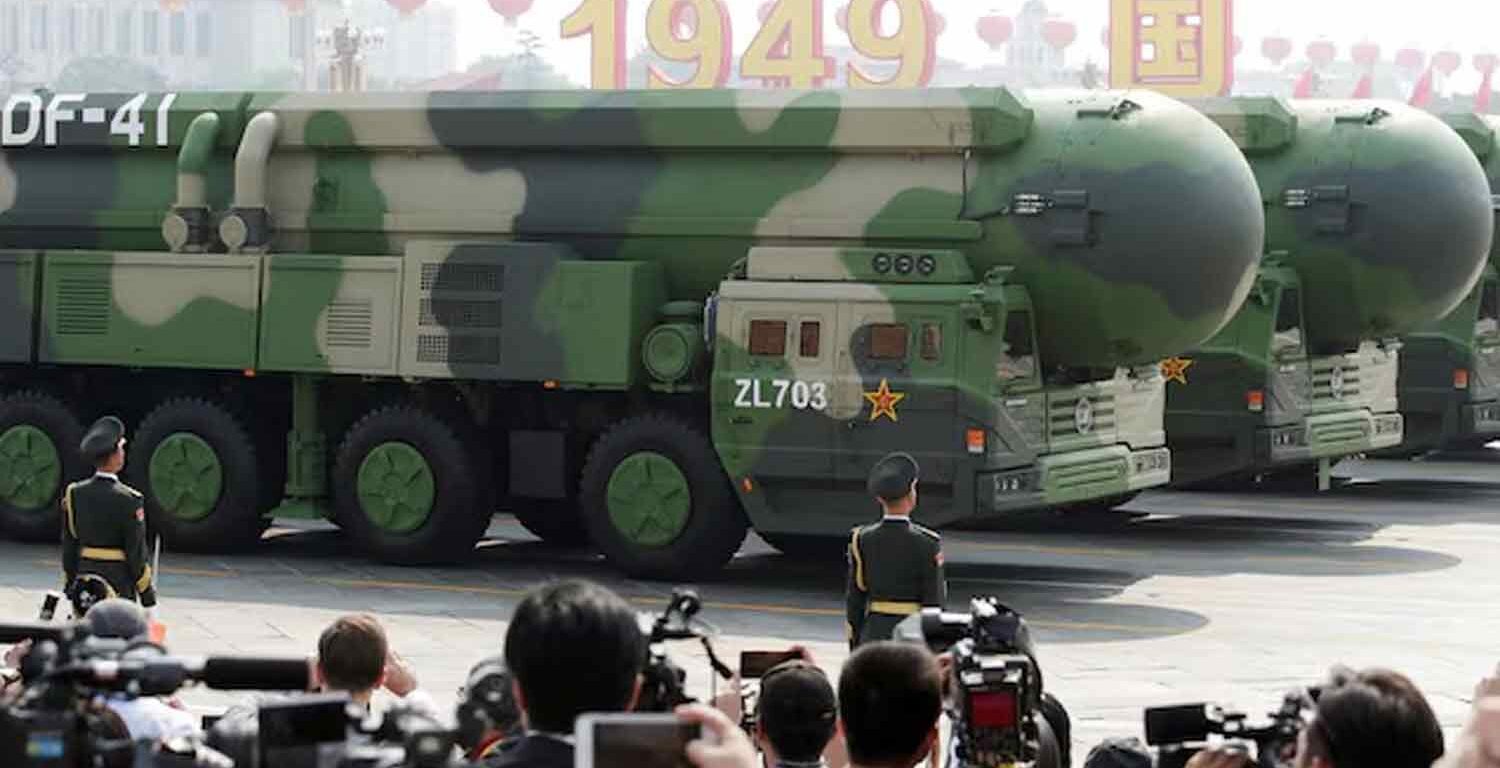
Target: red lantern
column 1276, row 49
column 1410, row 59
column 1058, row 33
column 937, row 22
column 1321, row 53
column 406, row 6
column 1486, row 63
column 511, row 9
column 1447, row 62
column 1365, row 53
column 995, row 31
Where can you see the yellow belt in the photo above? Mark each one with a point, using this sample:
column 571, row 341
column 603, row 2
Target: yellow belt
column 895, row 607
column 103, row 553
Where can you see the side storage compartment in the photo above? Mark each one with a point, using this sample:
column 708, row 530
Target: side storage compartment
column 149, row 309
column 17, row 305
column 331, row 314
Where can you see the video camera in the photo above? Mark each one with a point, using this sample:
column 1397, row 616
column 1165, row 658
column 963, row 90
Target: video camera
column 1179, row 732
column 61, row 718
column 664, row 686
column 997, row 705
column 330, row 731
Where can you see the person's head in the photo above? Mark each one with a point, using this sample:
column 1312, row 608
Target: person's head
column 117, row 619
column 893, row 483
column 487, row 710
column 573, row 647
column 352, row 654
column 1119, row 753
column 1371, row 717
column 796, row 714
column 103, row 446
column 890, row 696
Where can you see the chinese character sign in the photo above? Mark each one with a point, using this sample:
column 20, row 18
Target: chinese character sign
column 1182, row 48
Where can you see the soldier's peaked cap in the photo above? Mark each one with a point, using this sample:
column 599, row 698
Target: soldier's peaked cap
column 892, row 476
column 102, row 438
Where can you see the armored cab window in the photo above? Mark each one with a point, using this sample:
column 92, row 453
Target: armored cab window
column 812, row 335
column 1489, row 309
column 1019, row 359
column 932, row 341
column 1288, row 323
column 888, row 341
column 768, row 338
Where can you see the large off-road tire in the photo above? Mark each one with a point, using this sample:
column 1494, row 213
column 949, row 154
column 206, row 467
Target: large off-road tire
column 196, row 463
column 407, row 490
column 808, row 547
column 39, row 439
column 656, row 502
column 556, row 522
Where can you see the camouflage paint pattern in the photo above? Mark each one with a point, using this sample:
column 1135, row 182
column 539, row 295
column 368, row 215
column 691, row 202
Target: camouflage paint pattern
column 1450, row 368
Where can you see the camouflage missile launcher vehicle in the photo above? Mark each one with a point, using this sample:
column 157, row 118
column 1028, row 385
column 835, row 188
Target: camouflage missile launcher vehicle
column 642, row 320
column 1449, row 384
column 1377, row 222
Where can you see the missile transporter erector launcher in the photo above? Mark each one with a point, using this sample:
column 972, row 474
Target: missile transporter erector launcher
column 1378, row 220
column 1450, row 368
column 644, row 320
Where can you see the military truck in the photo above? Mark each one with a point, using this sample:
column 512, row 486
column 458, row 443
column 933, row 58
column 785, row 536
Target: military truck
column 642, row 320
column 1377, row 221
column 1449, row 385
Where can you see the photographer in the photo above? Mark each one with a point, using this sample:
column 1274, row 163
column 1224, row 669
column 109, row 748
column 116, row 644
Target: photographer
column 355, row 657
column 146, row 718
column 1375, row 717
column 573, row 647
column 890, row 697
column 796, row 716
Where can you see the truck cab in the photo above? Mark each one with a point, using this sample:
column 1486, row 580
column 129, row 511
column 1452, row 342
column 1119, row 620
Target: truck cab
column 1450, row 375
column 825, row 360
column 1255, row 399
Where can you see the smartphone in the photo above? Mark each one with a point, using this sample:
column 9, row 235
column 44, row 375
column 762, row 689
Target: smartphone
column 636, row 740
column 49, row 605
column 755, row 664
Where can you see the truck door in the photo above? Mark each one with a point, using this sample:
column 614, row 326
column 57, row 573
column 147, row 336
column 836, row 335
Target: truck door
column 895, row 376
column 774, row 374
column 1291, row 389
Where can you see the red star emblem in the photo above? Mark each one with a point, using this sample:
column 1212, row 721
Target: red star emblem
column 883, row 401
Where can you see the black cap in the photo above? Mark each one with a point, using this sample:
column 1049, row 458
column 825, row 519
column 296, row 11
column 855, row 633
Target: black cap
column 117, row 618
column 796, row 698
column 102, row 438
column 892, row 477
column 1119, row 753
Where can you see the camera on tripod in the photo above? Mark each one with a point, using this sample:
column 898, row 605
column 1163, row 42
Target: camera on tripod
column 665, row 683
column 1181, row 731
column 997, row 702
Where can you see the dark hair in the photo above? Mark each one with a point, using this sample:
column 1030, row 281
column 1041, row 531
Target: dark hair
column 797, row 711
column 889, row 700
column 352, row 653
column 1374, row 717
column 573, row 647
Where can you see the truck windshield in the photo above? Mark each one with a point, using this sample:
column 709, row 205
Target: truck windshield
column 1018, row 361
column 1288, row 338
column 1489, row 310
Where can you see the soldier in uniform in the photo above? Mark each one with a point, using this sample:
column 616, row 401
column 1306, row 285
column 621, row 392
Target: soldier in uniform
column 895, row 565
column 104, row 535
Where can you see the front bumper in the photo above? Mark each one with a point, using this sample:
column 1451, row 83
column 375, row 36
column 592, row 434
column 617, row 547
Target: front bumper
column 1326, row 436
column 1073, row 477
column 1479, row 420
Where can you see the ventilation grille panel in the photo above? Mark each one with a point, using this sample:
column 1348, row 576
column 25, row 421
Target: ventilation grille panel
column 459, row 313
column 486, row 278
column 350, row 324
column 83, row 306
column 468, row 350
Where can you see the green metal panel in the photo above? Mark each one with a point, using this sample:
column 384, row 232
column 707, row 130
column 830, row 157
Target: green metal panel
column 17, row 305
column 169, row 310
column 332, row 314
column 603, row 310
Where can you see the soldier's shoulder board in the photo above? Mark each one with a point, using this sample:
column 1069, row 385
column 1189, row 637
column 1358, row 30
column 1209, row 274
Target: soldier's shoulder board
column 128, row 492
column 928, row 532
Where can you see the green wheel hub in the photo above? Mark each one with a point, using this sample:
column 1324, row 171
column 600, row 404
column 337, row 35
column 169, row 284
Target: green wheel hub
column 396, row 488
column 30, row 467
column 649, row 499
column 186, row 476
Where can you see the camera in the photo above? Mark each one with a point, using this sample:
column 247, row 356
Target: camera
column 996, row 702
column 664, row 686
column 1180, row 731
column 62, row 719
column 330, row 731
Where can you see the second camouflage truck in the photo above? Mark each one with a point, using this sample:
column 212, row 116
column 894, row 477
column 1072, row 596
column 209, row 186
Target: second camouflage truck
column 1450, row 368
column 642, row 320
column 1378, row 221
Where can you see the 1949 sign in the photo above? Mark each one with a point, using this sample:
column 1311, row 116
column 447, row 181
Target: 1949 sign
column 788, row 48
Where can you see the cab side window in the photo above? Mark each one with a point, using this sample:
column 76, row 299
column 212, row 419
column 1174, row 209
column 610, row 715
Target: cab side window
column 810, row 338
column 768, row 338
column 888, row 342
column 1489, row 309
column 1288, row 336
column 1019, row 359
column 932, row 342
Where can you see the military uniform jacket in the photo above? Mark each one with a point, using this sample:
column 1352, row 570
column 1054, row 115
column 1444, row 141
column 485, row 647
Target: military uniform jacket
column 104, row 533
column 895, row 569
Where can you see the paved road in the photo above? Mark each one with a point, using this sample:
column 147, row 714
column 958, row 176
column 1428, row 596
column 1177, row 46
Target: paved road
column 1222, row 597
